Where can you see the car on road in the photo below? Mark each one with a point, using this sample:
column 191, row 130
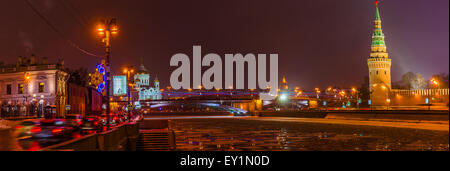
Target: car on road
column 74, row 119
column 23, row 129
column 114, row 120
column 53, row 128
column 90, row 124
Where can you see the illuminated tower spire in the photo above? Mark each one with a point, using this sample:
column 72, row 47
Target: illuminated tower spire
column 284, row 85
column 379, row 65
column 378, row 43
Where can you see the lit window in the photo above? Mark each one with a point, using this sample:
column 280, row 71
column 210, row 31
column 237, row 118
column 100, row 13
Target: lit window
column 20, row 89
column 41, row 87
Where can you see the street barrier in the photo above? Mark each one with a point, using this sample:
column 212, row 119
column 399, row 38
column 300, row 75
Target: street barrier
column 120, row 138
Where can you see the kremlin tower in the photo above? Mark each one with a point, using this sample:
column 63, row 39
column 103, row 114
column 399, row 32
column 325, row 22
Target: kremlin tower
column 379, row 66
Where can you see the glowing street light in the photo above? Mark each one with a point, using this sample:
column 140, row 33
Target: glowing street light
column 27, row 77
column 388, row 103
column 128, row 71
column 434, row 82
column 106, row 29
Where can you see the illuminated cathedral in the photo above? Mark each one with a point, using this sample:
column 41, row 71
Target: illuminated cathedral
column 142, row 80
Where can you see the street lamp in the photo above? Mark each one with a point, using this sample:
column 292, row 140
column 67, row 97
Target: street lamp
column 168, row 91
column 128, row 71
column 388, row 103
column 433, row 82
column 200, row 89
column 388, row 100
column 357, row 97
column 27, row 79
column 217, row 94
column 106, row 29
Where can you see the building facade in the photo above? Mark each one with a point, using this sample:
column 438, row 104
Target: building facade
column 33, row 87
column 379, row 66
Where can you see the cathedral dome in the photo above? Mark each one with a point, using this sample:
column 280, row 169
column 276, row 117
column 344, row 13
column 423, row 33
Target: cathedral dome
column 142, row 69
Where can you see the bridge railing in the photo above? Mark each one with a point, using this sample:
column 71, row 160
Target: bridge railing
column 117, row 139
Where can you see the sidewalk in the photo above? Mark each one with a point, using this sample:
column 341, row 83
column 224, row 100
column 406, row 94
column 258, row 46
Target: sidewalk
column 18, row 117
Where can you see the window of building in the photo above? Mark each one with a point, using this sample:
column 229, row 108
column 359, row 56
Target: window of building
column 20, row 88
column 41, row 87
column 385, row 72
column 8, row 89
column 377, row 72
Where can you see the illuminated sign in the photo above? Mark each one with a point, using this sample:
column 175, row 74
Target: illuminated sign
column 120, row 85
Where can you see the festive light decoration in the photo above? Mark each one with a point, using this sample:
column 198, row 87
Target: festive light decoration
column 97, row 79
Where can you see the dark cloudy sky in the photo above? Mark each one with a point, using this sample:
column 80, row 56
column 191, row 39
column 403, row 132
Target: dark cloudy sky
column 319, row 42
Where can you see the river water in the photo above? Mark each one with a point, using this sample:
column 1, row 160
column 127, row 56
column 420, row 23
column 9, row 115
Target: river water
column 228, row 134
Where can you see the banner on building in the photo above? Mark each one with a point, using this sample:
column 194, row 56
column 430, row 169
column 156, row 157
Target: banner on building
column 119, row 85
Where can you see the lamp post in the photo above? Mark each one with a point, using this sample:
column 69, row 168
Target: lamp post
column 106, row 29
column 388, row 103
column 168, row 91
column 200, row 89
column 388, row 100
column 217, row 94
column 128, row 71
column 27, row 79
column 433, row 82
column 357, row 97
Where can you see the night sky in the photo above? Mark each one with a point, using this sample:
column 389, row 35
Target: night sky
column 319, row 42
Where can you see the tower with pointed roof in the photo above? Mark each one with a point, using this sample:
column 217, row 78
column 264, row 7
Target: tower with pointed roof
column 379, row 65
column 156, row 82
column 284, row 85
